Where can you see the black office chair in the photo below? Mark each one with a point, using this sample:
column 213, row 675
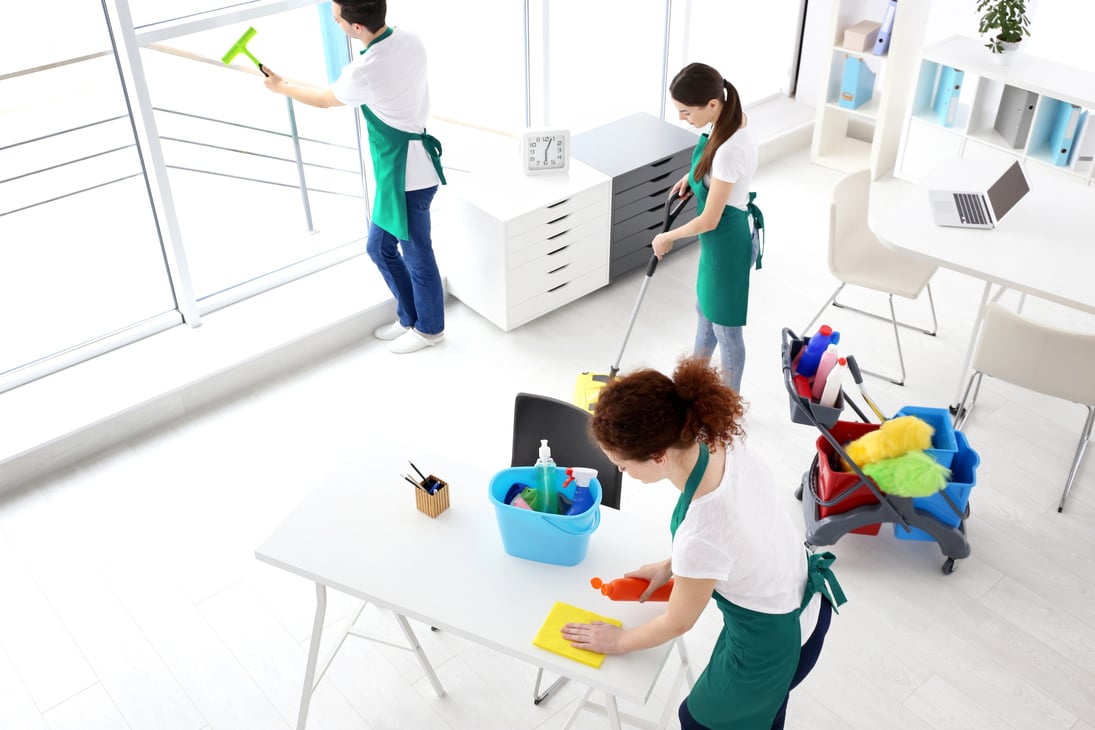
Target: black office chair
column 565, row 426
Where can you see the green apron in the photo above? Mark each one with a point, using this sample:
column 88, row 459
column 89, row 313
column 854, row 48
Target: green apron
column 722, row 285
column 388, row 149
column 756, row 654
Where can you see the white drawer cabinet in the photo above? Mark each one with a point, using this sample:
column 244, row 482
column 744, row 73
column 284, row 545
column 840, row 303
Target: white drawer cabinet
column 514, row 247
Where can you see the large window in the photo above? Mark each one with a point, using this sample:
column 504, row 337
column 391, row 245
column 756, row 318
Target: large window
column 143, row 183
column 79, row 253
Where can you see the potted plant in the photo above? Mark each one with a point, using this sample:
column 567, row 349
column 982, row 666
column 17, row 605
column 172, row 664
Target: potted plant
column 1005, row 20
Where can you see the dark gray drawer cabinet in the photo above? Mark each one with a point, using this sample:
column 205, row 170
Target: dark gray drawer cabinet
column 645, row 157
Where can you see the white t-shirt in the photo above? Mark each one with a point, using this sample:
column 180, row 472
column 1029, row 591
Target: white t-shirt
column 390, row 78
column 736, row 162
column 741, row 537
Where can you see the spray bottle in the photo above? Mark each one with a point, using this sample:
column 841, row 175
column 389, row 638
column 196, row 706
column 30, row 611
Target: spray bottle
column 544, row 480
column 583, row 498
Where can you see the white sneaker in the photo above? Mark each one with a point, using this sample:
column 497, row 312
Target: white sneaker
column 389, row 331
column 412, row 340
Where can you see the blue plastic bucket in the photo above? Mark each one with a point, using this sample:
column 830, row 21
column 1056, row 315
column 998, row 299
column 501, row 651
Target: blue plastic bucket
column 944, row 444
column 555, row 539
column 963, row 479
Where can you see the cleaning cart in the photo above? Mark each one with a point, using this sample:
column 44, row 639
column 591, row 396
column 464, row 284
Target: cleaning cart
column 838, row 497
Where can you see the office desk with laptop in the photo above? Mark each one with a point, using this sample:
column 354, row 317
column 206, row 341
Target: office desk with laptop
column 1040, row 242
column 359, row 533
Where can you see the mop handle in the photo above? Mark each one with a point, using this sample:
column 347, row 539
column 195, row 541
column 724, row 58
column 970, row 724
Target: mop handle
column 671, row 213
column 853, row 368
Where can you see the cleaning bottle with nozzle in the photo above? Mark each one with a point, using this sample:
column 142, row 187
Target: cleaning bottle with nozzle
column 629, row 589
column 583, row 498
column 544, row 480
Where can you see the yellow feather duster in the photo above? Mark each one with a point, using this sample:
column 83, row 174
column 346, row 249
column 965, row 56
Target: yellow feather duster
column 896, row 437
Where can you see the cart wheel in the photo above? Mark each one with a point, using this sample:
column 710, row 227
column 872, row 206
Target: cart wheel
column 948, row 566
column 798, row 492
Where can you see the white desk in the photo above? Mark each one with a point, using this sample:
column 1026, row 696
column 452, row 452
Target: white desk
column 1045, row 246
column 359, row 533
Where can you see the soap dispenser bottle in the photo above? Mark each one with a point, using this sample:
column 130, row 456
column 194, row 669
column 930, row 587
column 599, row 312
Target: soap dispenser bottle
column 544, row 480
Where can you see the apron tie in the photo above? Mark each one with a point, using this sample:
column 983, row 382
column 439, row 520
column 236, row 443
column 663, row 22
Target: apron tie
column 820, row 579
column 758, row 227
column 433, row 148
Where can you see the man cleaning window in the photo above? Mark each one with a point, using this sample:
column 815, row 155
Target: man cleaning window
column 388, row 81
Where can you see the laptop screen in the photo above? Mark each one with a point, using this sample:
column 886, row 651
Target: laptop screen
column 1007, row 190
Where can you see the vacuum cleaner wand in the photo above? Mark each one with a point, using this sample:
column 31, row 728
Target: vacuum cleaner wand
column 239, row 47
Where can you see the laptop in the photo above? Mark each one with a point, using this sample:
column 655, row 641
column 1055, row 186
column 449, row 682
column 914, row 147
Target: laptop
column 977, row 195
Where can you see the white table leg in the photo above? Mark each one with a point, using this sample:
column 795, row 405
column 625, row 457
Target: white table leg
column 964, row 372
column 417, row 649
column 578, row 710
column 612, row 710
column 313, row 656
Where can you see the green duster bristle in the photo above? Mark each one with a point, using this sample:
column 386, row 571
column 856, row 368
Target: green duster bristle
column 915, row 474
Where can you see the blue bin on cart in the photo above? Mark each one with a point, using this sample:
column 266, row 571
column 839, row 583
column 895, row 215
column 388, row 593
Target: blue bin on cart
column 944, row 444
column 963, row 478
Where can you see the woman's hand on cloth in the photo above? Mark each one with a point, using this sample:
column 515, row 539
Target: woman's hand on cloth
column 595, row 636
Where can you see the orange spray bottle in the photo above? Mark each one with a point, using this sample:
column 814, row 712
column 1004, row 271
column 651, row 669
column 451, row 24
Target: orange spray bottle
column 629, row 589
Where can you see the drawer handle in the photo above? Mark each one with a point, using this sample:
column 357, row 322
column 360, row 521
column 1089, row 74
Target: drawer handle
column 555, row 205
column 557, row 288
column 656, row 207
column 555, row 271
column 654, row 227
column 563, row 248
column 563, row 233
column 662, row 194
column 659, row 163
column 556, row 220
column 663, row 176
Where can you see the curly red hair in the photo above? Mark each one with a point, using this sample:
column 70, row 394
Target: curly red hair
column 640, row 415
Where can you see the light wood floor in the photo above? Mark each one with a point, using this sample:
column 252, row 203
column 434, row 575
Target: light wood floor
column 131, row 597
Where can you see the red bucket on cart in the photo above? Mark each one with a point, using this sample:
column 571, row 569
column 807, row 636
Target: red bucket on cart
column 831, row 483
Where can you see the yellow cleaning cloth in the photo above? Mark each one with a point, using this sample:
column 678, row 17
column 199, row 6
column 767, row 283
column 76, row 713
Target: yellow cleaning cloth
column 550, row 635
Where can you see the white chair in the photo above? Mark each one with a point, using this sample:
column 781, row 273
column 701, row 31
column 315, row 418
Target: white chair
column 1037, row 357
column 857, row 257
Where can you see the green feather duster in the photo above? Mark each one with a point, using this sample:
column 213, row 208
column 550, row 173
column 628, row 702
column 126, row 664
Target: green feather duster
column 915, row 474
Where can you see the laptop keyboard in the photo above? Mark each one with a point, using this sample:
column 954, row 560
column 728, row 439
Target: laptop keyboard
column 970, row 208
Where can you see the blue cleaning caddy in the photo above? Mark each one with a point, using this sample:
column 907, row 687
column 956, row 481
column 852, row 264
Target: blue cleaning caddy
column 545, row 538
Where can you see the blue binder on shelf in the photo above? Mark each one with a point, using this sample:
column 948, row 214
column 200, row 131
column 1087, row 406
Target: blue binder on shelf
column 882, row 43
column 856, row 84
column 1065, row 123
column 947, row 92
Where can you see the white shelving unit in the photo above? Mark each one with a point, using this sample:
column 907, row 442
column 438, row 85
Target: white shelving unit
column 852, row 139
column 925, row 141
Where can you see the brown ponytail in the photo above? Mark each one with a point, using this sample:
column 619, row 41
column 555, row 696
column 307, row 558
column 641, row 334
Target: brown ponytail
column 640, row 415
column 695, row 85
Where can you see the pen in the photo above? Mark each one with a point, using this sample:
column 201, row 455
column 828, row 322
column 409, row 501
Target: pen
column 412, row 481
column 416, row 469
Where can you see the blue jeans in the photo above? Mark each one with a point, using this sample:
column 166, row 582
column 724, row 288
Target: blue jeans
column 412, row 276
column 730, row 341
column 731, row 344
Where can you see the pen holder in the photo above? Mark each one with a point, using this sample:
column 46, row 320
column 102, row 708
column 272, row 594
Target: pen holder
column 436, row 503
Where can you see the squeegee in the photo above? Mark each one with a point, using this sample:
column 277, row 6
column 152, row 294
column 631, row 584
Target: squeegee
column 239, row 47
